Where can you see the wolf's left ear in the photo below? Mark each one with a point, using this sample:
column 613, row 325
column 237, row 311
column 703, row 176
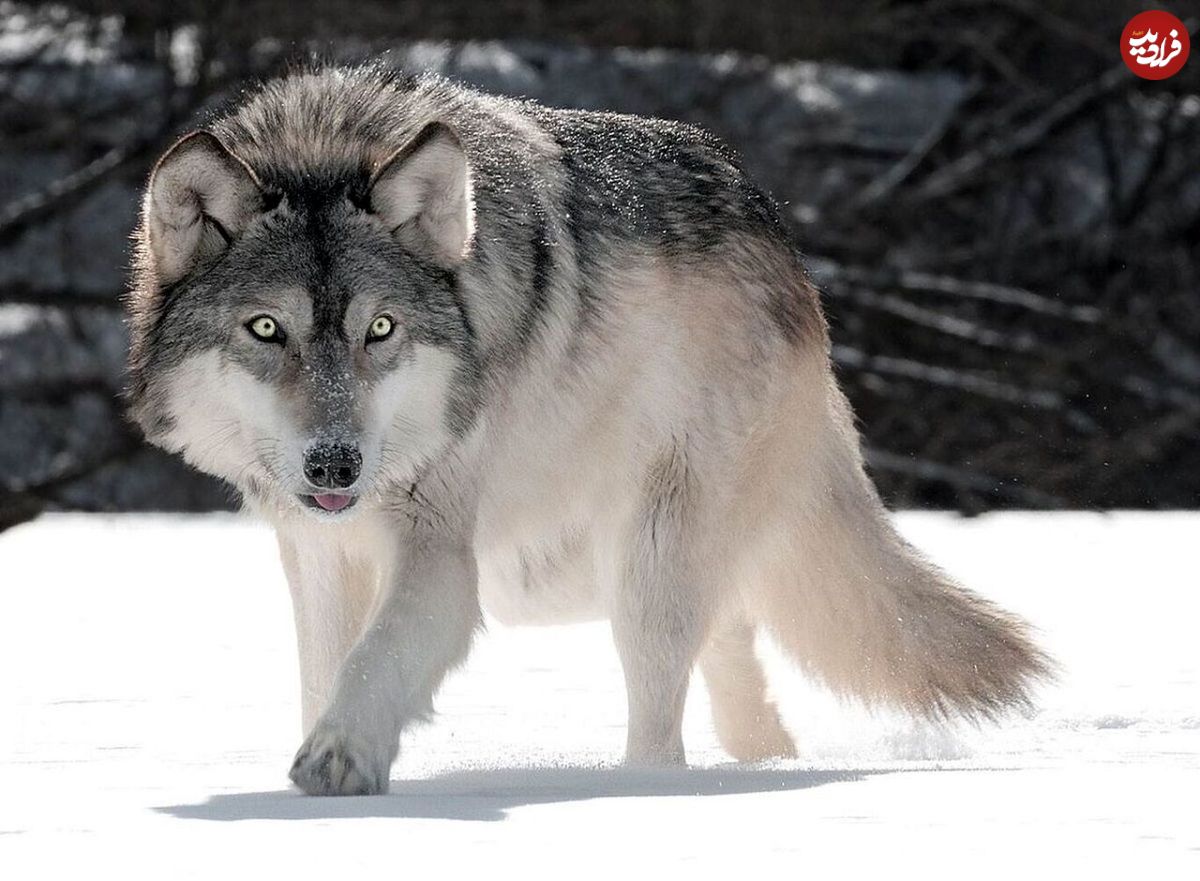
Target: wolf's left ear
column 423, row 193
column 200, row 197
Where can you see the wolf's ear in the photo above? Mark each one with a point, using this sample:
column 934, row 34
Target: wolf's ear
column 423, row 193
column 200, row 197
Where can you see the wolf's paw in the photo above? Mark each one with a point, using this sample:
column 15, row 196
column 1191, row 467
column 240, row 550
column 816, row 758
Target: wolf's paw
column 331, row 762
column 772, row 742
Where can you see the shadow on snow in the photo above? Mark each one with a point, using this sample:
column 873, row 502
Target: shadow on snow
column 490, row 794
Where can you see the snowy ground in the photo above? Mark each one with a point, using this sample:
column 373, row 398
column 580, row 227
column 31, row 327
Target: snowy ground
column 148, row 717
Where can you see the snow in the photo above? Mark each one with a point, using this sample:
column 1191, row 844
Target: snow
column 149, row 713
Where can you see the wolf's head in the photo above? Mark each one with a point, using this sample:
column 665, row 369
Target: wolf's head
column 300, row 334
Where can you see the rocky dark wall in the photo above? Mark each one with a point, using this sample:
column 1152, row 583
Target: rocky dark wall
column 1011, row 274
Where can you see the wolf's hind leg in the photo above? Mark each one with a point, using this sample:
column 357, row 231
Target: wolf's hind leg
column 657, row 647
column 657, row 653
column 659, row 612
column 747, row 722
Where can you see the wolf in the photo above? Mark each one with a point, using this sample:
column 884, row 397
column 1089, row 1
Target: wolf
column 466, row 352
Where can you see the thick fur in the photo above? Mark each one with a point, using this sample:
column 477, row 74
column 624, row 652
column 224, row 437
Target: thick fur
column 608, row 394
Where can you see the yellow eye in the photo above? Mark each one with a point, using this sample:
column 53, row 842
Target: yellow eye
column 381, row 329
column 265, row 328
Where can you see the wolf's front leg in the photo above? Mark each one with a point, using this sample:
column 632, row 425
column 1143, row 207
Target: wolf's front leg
column 422, row 629
column 333, row 589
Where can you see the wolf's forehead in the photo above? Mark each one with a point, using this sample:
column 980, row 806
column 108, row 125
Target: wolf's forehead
column 313, row 284
column 312, row 244
column 289, row 302
column 317, row 186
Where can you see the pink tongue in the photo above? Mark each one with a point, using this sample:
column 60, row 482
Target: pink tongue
column 332, row 501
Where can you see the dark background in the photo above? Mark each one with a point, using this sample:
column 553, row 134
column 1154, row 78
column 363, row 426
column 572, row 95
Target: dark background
column 1004, row 221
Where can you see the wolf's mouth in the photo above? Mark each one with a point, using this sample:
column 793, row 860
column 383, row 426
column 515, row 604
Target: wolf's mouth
column 331, row 503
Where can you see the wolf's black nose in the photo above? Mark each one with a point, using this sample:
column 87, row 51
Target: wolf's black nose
column 332, row 466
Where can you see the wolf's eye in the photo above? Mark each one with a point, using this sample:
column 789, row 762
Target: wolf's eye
column 380, row 329
column 265, row 328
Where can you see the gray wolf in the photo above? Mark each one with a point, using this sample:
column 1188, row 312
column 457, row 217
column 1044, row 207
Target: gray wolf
column 466, row 353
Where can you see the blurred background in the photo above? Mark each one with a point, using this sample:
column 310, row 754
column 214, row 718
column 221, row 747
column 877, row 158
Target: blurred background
column 1003, row 220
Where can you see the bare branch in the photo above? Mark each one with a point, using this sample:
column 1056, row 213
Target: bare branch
column 885, row 184
column 962, row 478
column 947, row 377
column 939, row 322
column 826, row 269
column 24, row 210
column 964, row 170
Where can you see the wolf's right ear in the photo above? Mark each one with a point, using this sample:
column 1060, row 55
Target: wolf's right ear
column 200, row 197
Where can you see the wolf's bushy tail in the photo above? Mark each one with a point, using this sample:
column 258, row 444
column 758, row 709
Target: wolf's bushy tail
column 876, row 621
column 858, row 607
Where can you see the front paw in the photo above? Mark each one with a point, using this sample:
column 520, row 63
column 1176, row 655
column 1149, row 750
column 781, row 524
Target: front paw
column 332, row 762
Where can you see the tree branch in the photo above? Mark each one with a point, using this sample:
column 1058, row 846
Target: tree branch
column 962, row 478
column 825, row 269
